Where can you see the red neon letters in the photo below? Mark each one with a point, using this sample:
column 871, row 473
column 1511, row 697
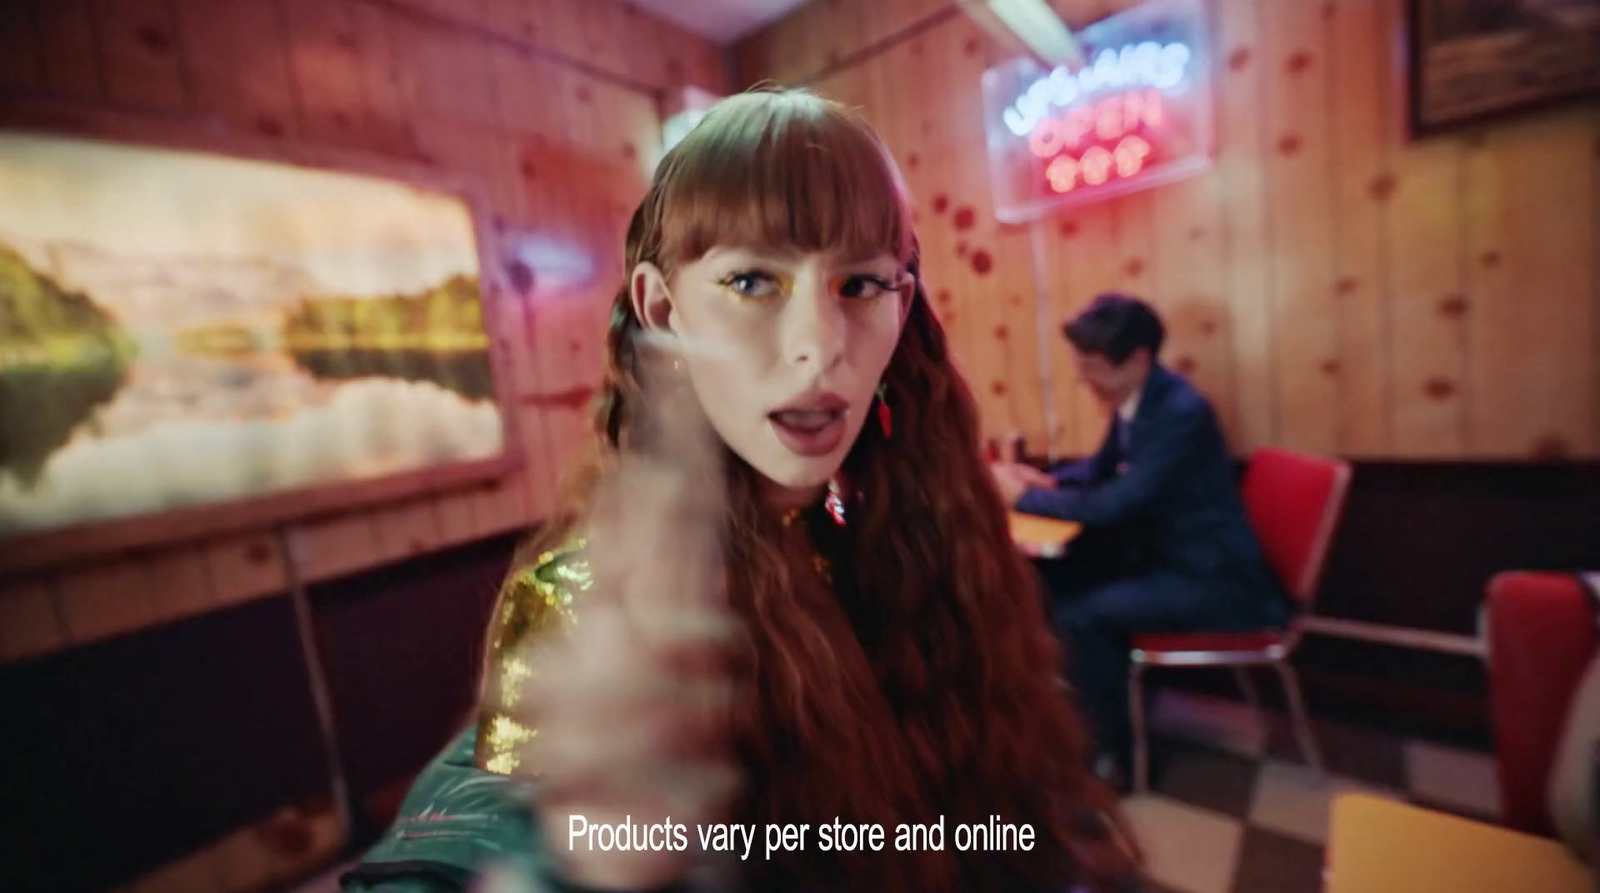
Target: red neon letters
column 1111, row 125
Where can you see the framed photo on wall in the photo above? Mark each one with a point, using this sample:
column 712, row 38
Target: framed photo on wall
column 1470, row 60
column 198, row 337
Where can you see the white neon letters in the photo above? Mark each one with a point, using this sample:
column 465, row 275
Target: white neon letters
column 1147, row 64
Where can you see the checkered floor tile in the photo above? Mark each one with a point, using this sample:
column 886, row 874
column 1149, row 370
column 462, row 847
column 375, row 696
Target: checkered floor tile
column 1234, row 809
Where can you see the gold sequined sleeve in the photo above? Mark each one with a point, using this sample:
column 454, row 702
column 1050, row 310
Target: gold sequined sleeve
column 537, row 600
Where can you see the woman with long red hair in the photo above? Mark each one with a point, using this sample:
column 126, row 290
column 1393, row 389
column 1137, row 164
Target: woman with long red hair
column 785, row 592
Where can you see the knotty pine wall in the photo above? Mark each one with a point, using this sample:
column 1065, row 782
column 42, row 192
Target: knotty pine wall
column 551, row 106
column 1329, row 285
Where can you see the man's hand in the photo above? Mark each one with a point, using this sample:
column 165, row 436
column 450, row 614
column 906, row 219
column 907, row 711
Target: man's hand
column 1014, row 479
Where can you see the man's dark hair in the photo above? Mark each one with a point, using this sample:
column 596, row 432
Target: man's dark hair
column 1115, row 325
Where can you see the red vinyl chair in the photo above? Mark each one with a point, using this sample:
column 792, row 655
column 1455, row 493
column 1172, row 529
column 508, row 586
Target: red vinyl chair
column 1541, row 637
column 1293, row 501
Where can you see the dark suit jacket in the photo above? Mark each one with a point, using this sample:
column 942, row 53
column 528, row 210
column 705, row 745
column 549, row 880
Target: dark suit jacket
column 1172, row 490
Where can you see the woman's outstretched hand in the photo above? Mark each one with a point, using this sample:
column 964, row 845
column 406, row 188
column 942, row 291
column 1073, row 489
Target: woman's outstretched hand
column 632, row 707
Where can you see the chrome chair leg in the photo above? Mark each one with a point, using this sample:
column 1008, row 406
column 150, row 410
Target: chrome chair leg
column 1252, row 697
column 1141, row 745
column 1297, row 715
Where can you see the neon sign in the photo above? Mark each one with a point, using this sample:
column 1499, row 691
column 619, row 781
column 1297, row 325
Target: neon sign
column 1148, row 64
column 1137, row 116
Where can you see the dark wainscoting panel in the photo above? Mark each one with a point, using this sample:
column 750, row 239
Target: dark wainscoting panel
column 402, row 647
column 119, row 756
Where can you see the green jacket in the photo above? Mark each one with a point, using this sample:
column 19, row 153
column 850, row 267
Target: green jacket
column 457, row 821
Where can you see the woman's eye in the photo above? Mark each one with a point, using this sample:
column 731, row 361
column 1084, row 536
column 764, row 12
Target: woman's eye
column 865, row 287
column 752, row 285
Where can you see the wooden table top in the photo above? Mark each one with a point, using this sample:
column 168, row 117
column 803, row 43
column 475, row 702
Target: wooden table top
column 1043, row 537
column 1381, row 846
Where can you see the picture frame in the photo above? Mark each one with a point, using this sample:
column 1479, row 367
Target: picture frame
column 483, row 388
column 1472, row 61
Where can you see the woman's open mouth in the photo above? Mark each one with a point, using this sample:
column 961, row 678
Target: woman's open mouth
column 812, row 426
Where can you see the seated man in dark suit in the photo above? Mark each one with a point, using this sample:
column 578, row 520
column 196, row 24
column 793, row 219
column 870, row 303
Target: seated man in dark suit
column 1166, row 545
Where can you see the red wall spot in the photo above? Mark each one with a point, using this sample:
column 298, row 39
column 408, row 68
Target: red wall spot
column 270, row 127
column 971, row 46
column 1134, row 267
column 1346, row 285
column 1196, row 233
column 1551, row 447
column 941, row 203
column 1069, row 228
column 1299, row 62
column 913, row 160
column 1186, row 365
column 982, row 263
column 1329, row 367
column 943, row 296
column 1453, row 306
column 1438, row 388
column 1001, row 332
column 964, row 218
column 961, row 249
column 1208, row 327
column 1238, row 59
column 154, row 39
column 998, row 389
column 1491, row 259
column 1382, row 187
column 1289, row 144
column 584, row 95
column 629, row 151
column 258, row 552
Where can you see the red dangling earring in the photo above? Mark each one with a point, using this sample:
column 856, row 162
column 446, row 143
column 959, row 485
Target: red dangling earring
column 885, row 415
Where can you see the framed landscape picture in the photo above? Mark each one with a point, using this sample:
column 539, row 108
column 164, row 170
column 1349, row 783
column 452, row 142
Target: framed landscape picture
column 192, row 341
column 1470, row 60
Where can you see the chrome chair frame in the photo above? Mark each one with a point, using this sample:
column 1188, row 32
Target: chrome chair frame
column 1276, row 655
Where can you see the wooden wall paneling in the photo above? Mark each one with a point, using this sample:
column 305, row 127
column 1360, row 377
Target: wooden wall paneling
column 445, row 77
column 66, row 42
column 20, row 64
column 1001, row 256
column 105, row 600
column 335, row 546
column 180, row 583
column 1532, row 313
column 501, row 506
column 245, row 567
column 605, row 42
column 29, row 622
column 1428, row 300
column 1089, row 247
column 1191, row 279
column 140, row 55
column 796, row 33
column 1059, row 291
column 408, row 529
column 839, row 33
column 1241, row 136
column 470, row 12
column 1365, row 116
column 456, row 521
column 325, row 63
column 520, row 20
column 752, row 58
column 235, row 59
column 387, row 122
column 1295, row 53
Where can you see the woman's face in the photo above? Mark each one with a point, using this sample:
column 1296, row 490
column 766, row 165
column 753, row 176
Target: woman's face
column 785, row 350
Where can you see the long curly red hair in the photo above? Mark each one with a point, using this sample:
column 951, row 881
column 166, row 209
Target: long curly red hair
column 946, row 701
